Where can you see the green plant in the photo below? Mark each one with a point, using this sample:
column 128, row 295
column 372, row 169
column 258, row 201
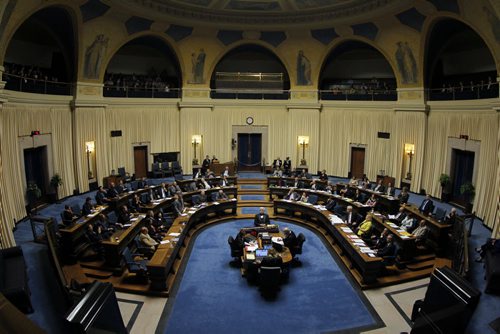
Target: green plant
column 467, row 189
column 444, row 180
column 56, row 181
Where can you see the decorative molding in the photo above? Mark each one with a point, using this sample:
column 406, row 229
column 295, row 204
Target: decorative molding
column 11, row 96
column 190, row 104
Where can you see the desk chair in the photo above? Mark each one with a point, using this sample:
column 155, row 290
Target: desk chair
column 297, row 249
column 313, row 199
column 440, row 214
column 195, row 199
column 167, row 171
column 269, row 278
column 214, row 197
column 136, row 267
column 124, row 175
column 156, row 170
column 236, row 250
column 176, row 168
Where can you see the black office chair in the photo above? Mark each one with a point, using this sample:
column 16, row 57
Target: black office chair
column 124, row 175
column 167, row 171
column 141, row 249
column 195, row 199
column 156, row 170
column 176, row 168
column 440, row 214
column 214, row 197
column 136, row 267
column 236, row 251
column 269, row 278
column 297, row 249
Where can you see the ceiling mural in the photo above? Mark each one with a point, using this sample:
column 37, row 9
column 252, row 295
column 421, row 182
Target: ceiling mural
column 261, row 11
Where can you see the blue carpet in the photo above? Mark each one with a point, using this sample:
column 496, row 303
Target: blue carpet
column 250, row 186
column 250, row 211
column 213, row 297
column 252, row 197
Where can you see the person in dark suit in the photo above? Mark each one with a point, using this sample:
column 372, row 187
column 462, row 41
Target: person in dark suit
column 379, row 242
column 290, row 239
column 287, row 166
column 272, row 259
column 351, row 218
column 398, row 218
column 135, row 203
column 323, row 176
column 451, row 217
column 107, row 228
column 409, row 223
column 100, row 196
column 379, row 187
column 94, row 238
column 427, row 205
column 203, row 197
column 87, row 207
column 120, row 188
column 221, row 195
column 390, row 190
column 205, row 165
column 173, row 189
column 389, row 249
column 142, row 183
column 162, row 191
column 262, row 218
column 68, row 215
column 404, row 196
column 292, row 195
column 112, row 192
column 277, row 163
column 124, row 215
column 177, row 205
column 491, row 244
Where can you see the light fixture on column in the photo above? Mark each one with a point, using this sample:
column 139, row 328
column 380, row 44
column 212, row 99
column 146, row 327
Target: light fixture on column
column 304, row 142
column 195, row 140
column 89, row 149
column 410, row 150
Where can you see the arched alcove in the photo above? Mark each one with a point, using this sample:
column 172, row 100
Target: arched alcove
column 144, row 67
column 458, row 63
column 41, row 55
column 355, row 70
column 250, row 71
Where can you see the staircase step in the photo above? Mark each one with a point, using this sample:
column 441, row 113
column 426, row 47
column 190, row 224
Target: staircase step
column 101, row 274
column 421, row 265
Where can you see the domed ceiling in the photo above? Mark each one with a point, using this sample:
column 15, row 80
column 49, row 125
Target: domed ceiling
column 262, row 11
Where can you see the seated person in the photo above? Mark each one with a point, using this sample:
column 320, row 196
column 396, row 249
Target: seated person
column 240, row 239
column 136, row 203
column 298, row 183
column 203, row 184
column 427, row 205
column 347, row 192
column 191, row 186
column 146, row 239
column 112, row 192
column 365, row 228
column 389, row 249
column 350, row 217
column 323, row 176
column 120, row 188
column 491, row 244
column 330, row 204
column 162, row 223
column 409, row 223
column 353, row 181
column 390, row 190
column 225, row 182
column 103, row 222
column 313, row 185
column 162, row 191
column 173, row 189
column 262, row 218
column 100, row 196
column 421, row 233
column 292, row 195
column 221, row 195
column 215, row 160
column 68, row 215
column 198, row 174
column 203, row 197
column 290, row 239
column 94, row 239
column 364, row 182
column 404, row 196
column 209, row 174
column 379, row 187
column 226, row 172
column 451, row 217
column 87, row 207
column 278, row 172
column 398, row 218
column 372, row 201
column 142, row 183
column 273, row 259
column 123, row 215
column 379, row 242
column 304, row 198
column 178, row 205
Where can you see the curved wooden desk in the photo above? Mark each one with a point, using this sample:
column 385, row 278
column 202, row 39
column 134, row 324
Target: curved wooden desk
column 161, row 264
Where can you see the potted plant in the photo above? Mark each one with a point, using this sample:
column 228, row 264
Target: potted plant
column 468, row 191
column 56, row 182
column 444, row 180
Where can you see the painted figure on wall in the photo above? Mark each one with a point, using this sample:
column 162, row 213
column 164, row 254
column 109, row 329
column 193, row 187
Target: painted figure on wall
column 198, row 64
column 94, row 56
column 407, row 65
column 303, row 70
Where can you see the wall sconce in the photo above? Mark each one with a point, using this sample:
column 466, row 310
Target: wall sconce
column 195, row 140
column 410, row 150
column 304, row 142
column 89, row 149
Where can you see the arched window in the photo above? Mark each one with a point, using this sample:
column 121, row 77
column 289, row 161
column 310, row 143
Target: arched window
column 144, row 67
column 41, row 55
column 357, row 71
column 250, row 72
column 458, row 64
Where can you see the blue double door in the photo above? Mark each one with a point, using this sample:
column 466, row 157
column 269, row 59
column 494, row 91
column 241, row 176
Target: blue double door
column 249, row 151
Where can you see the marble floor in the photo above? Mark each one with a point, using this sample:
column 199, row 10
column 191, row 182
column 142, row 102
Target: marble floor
column 141, row 314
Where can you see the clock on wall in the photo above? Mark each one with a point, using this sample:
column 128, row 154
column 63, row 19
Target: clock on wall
column 249, row 120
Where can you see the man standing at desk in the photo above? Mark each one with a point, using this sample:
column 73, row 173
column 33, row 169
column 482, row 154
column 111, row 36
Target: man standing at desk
column 262, row 218
column 205, row 165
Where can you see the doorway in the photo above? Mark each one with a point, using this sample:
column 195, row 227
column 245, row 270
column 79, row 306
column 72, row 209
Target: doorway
column 141, row 161
column 36, row 168
column 249, row 151
column 357, row 162
column 462, row 170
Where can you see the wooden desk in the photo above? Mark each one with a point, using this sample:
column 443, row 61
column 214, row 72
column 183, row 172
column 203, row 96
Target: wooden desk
column 72, row 236
column 290, row 181
column 405, row 240
column 285, row 254
column 390, row 203
column 368, row 267
column 219, row 168
column 438, row 231
column 161, row 264
column 214, row 181
column 231, row 192
column 114, row 246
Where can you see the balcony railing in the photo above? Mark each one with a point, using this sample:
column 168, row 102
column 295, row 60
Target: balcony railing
column 38, row 86
column 358, row 95
column 474, row 92
column 245, row 94
column 141, row 92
